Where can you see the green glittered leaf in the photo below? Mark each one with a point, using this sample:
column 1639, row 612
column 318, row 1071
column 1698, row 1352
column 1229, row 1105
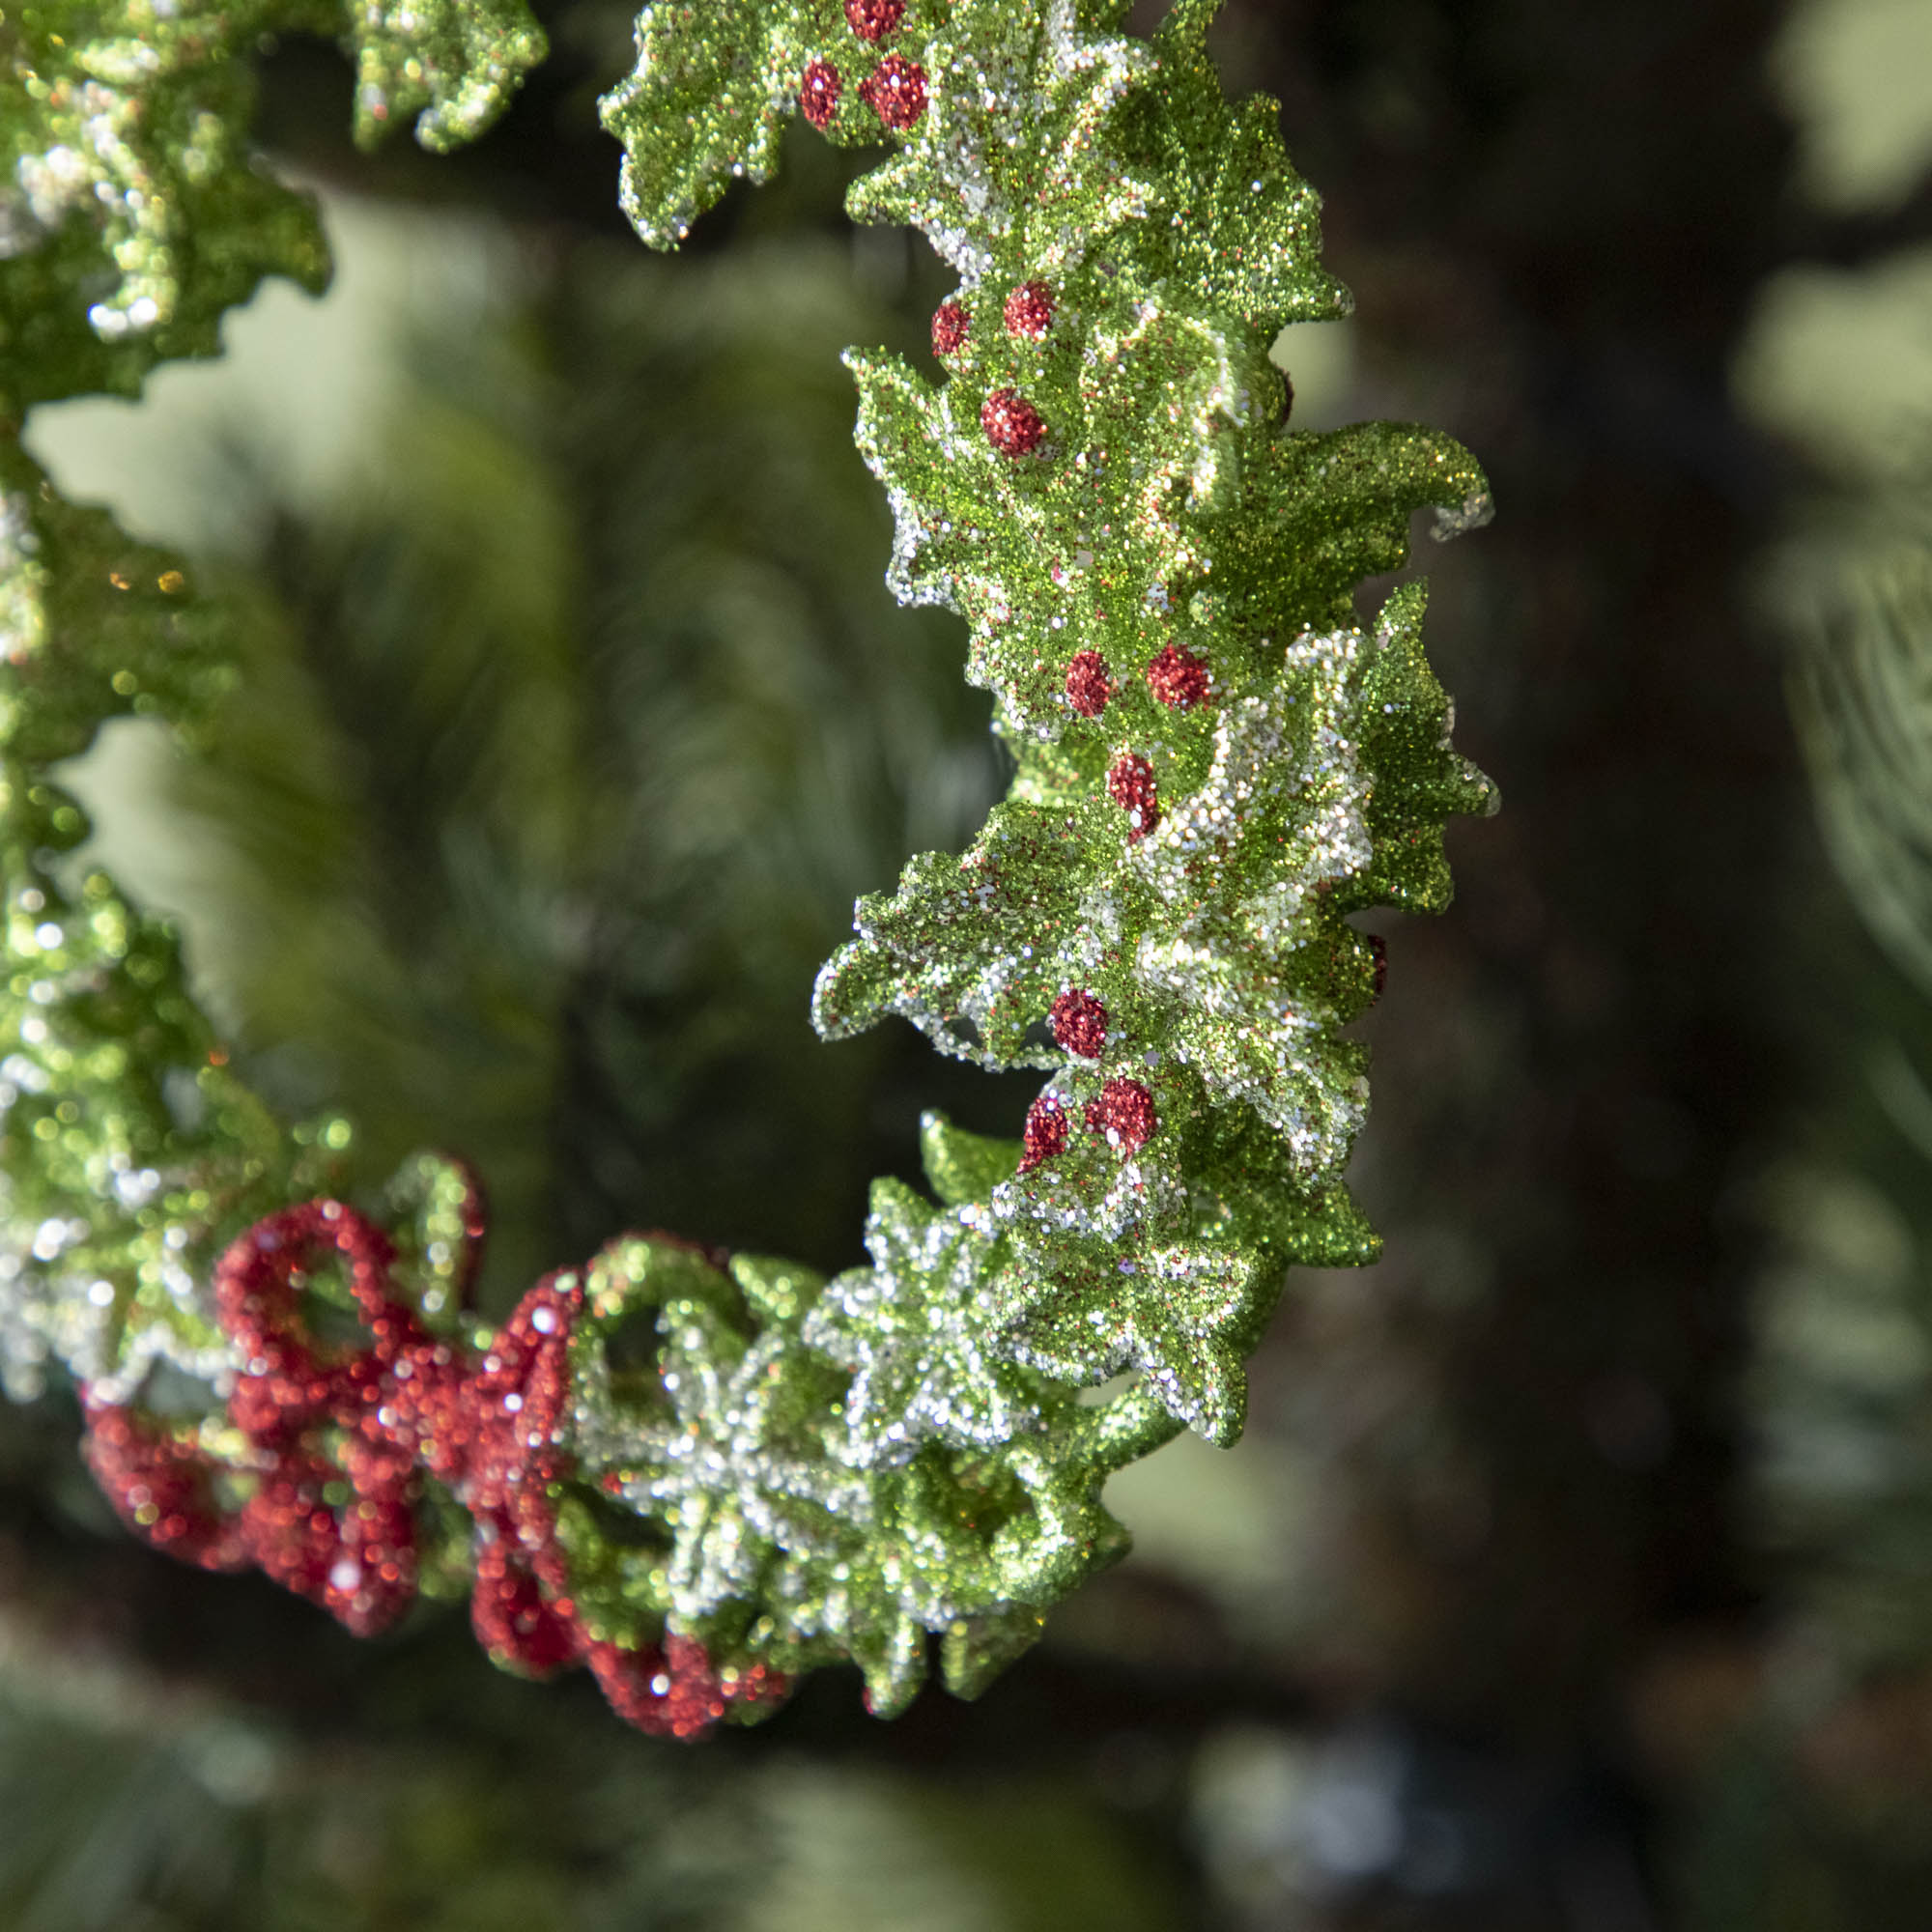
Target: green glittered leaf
column 1261, row 969
column 1246, row 234
column 1179, row 1315
column 740, row 1523
column 1425, row 781
column 976, row 1650
column 776, row 1291
column 712, row 87
column 959, row 1166
column 892, row 1655
column 925, row 1366
column 453, row 64
column 1332, row 507
column 973, row 949
column 1002, row 163
column 130, row 1152
column 912, row 443
column 135, row 211
column 677, row 1389
column 1272, row 1209
column 94, row 625
column 1081, row 546
column 1326, row 1229
column 132, row 213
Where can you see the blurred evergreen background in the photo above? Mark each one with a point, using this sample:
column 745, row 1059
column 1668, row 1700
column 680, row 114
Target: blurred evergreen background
column 1577, row 1570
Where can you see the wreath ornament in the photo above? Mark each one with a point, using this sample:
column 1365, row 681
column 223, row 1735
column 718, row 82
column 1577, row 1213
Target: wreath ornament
column 702, row 1474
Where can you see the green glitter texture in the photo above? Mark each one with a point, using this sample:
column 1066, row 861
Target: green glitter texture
column 796, row 1471
column 133, row 212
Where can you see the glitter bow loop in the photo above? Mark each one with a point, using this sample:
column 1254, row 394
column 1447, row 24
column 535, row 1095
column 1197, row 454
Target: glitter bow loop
column 333, row 1513
column 290, row 1379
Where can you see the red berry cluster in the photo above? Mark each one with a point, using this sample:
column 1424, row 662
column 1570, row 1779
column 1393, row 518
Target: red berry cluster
column 1087, row 685
column 1044, row 1134
column 950, row 325
column 1177, row 677
column 1029, row 310
column 1130, row 785
column 371, row 1421
column 1124, row 1114
column 896, row 91
column 818, row 93
column 1012, row 425
column 874, row 19
column 1080, row 1023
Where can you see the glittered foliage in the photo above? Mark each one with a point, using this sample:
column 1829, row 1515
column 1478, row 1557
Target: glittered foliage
column 1244, row 233
column 132, row 213
column 452, row 64
column 713, row 1501
column 132, row 209
column 129, row 1150
column 715, row 82
column 698, row 1473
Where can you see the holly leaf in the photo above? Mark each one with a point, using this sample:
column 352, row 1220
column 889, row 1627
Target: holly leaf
column 1251, row 1195
column 708, row 1430
column 1181, row 1316
column 962, row 1167
column 94, row 625
column 911, row 1331
column 952, row 544
column 135, row 211
column 971, row 949
column 1178, row 391
column 1327, row 508
column 1245, row 231
column 1070, row 550
column 706, row 100
column 716, row 1496
column 1002, row 169
column 1259, row 971
column 131, row 213
column 454, row 64
column 1421, row 779
column 978, row 1649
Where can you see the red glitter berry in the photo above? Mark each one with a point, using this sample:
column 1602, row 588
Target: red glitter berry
column 1124, row 1114
column 1080, row 1023
column 1044, row 1134
column 874, row 19
column 1029, row 310
column 1130, row 785
column 1087, row 685
column 1012, row 425
column 950, row 325
column 819, row 91
column 1177, row 677
column 896, row 91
